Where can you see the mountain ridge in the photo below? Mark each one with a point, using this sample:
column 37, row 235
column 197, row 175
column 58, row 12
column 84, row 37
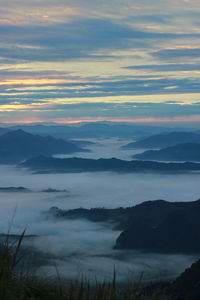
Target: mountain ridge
column 43, row 164
column 179, row 152
column 19, row 145
column 153, row 226
column 162, row 140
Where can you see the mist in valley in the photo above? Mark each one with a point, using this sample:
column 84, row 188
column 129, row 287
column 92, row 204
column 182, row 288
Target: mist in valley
column 82, row 247
column 106, row 148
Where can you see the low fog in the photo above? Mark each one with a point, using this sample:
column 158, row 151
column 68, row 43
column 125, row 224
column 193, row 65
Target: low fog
column 82, row 247
column 107, row 148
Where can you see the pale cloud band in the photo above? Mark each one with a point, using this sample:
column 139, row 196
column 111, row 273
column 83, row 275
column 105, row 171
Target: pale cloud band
column 91, row 60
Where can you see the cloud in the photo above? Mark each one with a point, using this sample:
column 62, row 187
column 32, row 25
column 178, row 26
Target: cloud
column 151, row 18
column 79, row 39
column 58, row 90
column 177, row 54
column 92, row 42
column 137, row 112
column 172, row 67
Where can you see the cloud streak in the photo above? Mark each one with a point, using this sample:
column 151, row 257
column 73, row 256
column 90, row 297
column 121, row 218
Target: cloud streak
column 55, row 55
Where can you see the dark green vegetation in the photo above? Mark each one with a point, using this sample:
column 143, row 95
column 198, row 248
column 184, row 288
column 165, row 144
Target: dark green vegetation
column 42, row 164
column 186, row 286
column 19, row 145
column 165, row 227
column 16, row 285
column 118, row 218
column 180, row 152
column 154, row 226
column 165, row 140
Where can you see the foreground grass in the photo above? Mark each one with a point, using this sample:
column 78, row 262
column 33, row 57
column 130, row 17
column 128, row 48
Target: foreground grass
column 16, row 286
column 35, row 288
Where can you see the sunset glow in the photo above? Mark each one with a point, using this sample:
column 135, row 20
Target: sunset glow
column 72, row 61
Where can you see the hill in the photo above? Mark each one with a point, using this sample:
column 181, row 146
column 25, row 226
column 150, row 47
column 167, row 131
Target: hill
column 153, row 226
column 19, row 145
column 164, row 140
column 42, row 164
column 118, row 218
column 180, row 152
column 186, row 286
column 4, row 130
column 165, row 227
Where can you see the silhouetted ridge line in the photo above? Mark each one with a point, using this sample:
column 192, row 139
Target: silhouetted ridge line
column 164, row 140
column 180, row 152
column 19, row 145
column 51, row 165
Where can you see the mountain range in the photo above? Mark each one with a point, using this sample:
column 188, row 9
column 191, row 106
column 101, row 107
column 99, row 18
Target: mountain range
column 42, row 164
column 180, row 152
column 162, row 140
column 19, row 145
column 93, row 130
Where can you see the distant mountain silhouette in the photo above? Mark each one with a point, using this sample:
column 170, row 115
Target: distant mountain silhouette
column 165, row 227
column 118, row 217
column 93, row 130
column 180, row 152
column 44, row 164
column 50, row 190
column 21, row 189
column 13, row 189
column 19, row 145
column 4, row 130
column 165, row 140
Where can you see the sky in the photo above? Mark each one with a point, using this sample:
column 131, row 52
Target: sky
column 87, row 60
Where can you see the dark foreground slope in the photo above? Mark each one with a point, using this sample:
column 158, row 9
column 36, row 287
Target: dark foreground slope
column 180, row 152
column 154, row 226
column 187, row 286
column 42, row 164
column 165, row 140
column 19, row 145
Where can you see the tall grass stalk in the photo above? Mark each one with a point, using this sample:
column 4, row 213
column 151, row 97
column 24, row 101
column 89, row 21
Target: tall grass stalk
column 15, row 286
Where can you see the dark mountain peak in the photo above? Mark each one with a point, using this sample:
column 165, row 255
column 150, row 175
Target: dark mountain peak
column 95, row 125
column 165, row 139
column 18, row 132
column 165, row 227
column 180, row 152
column 20, row 145
column 154, row 203
column 154, row 226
